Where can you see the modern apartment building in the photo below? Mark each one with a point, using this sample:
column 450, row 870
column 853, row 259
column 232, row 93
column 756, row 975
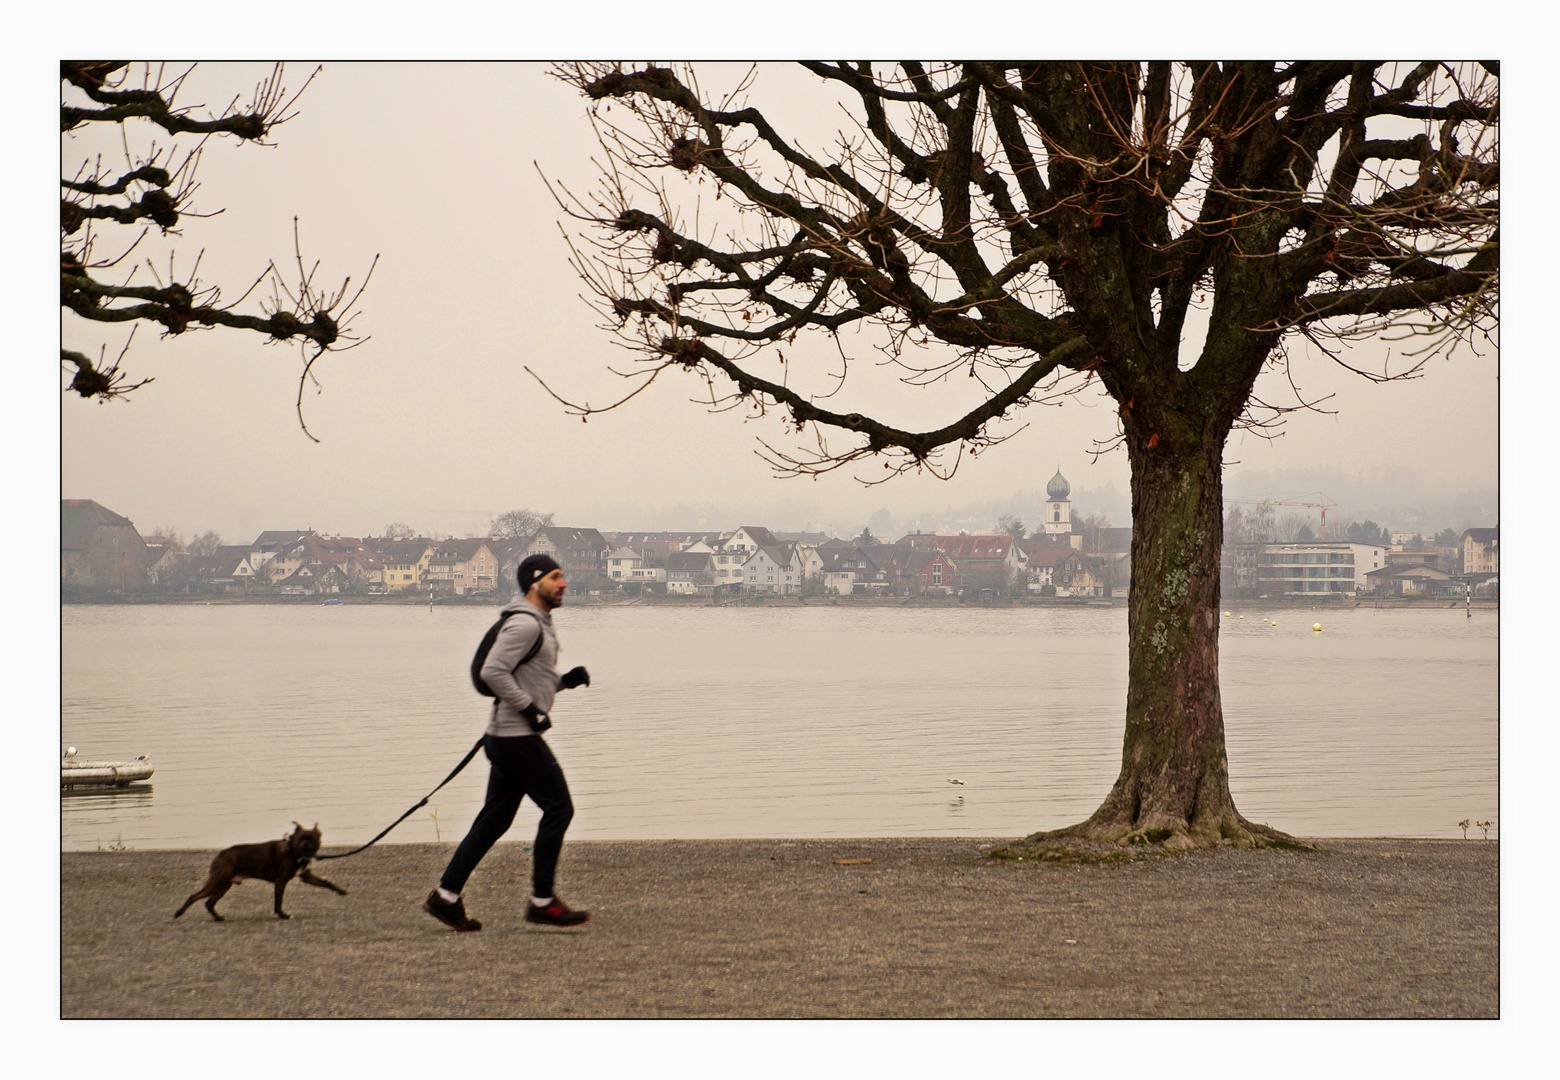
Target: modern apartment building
column 1303, row 569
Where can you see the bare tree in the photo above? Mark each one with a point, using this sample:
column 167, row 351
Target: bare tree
column 519, row 524
column 1094, row 526
column 1289, row 526
column 1011, row 525
column 397, row 530
column 154, row 186
column 1245, row 534
column 205, row 545
column 167, row 536
column 1046, row 227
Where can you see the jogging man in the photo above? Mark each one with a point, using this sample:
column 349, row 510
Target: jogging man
column 522, row 764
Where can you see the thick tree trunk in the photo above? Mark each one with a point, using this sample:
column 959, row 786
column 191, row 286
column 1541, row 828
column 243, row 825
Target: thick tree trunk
column 1174, row 782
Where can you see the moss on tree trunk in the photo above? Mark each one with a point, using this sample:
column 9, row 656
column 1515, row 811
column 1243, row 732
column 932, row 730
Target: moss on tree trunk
column 1174, row 786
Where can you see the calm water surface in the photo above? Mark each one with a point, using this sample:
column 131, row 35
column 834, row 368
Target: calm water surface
column 753, row 722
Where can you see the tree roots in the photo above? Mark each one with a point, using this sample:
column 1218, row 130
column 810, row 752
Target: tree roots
column 1096, row 841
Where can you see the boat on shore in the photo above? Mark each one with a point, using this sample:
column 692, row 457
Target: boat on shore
column 75, row 773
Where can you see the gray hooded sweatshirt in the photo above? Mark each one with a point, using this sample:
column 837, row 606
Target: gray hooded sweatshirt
column 534, row 682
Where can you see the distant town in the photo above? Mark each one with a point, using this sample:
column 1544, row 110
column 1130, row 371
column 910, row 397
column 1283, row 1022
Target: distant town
column 103, row 556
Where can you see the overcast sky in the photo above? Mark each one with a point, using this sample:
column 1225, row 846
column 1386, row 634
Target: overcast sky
column 434, row 423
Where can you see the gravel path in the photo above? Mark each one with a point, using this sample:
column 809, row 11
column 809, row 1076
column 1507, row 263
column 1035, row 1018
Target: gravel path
column 760, row 928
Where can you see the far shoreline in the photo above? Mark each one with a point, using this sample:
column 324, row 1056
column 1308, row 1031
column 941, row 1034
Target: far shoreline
column 1439, row 603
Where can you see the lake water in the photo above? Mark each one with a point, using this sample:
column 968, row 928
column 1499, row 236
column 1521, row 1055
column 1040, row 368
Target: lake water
column 760, row 722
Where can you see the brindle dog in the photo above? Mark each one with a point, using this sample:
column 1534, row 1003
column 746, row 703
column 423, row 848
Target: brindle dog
column 277, row 861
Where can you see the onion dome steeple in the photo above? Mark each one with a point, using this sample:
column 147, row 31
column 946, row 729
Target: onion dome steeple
column 1058, row 488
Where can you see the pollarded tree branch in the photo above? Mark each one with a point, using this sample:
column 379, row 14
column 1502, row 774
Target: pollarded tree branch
column 1458, row 111
column 298, row 310
column 1478, row 277
column 173, row 306
column 868, row 87
column 94, row 381
column 673, row 246
column 882, row 282
column 662, row 85
column 795, row 317
column 151, row 174
column 245, row 127
column 691, row 352
column 1133, row 190
column 929, row 168
column 267, row 109
column 155, row 205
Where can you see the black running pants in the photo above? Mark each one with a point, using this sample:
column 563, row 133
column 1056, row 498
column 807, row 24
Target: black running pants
column 521, row 765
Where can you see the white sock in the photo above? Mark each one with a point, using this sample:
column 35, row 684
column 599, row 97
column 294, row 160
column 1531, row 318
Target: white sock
column 540, row 901
column 449, row 897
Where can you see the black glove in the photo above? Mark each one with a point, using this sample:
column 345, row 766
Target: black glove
column 538, row 720
column 574, row 677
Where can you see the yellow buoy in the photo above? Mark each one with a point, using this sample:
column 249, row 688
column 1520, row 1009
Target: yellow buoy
column 1226, row 614
column 1317, row 627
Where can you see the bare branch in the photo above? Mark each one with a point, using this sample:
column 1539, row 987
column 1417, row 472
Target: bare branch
column 1036, row 216
column 158, row 187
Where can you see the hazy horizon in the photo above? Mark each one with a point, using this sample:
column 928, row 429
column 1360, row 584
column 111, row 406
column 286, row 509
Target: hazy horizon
column 1400, row 500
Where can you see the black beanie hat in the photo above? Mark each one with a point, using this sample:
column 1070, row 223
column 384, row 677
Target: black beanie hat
column 532, row 569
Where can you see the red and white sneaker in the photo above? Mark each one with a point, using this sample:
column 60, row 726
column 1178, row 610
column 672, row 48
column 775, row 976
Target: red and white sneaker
column 556, row 913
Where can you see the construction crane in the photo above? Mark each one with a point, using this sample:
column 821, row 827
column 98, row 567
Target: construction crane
column 1311, row 499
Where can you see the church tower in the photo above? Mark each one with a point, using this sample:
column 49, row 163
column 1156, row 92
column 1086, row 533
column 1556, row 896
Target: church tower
column 1058, row 508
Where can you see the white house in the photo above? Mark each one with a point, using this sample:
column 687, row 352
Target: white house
column 809, row 561
column 774, row 569
column 1481, row 551
column 854, row 571
column 727, row 569
column 1041, row 563
column 748, row 539
column 243, row 573
column 689, row 573
column 622, row 563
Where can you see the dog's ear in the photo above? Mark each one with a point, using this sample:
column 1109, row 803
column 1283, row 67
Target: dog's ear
column 298, row 827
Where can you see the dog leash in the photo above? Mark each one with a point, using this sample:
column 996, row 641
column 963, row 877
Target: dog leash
column 453, row 773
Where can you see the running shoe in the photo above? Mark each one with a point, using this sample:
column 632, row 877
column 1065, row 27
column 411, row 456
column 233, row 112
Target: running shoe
column 556, row 913
column 451, row 915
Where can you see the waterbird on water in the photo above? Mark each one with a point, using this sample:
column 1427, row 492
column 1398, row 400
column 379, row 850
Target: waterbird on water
column 951, row 780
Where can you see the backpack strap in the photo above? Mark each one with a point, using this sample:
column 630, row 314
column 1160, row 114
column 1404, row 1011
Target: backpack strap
column 536, row 646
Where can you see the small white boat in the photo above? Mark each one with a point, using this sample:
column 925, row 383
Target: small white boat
column 75, row 773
